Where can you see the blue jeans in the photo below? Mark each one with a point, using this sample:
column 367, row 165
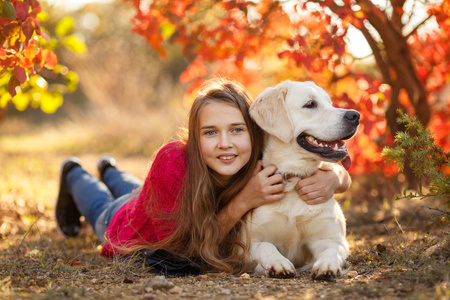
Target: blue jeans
column 98, row 201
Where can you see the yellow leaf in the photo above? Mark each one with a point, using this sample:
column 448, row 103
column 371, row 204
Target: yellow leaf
column 167, row 30
column 74, row 44
column 4, row 98
column 71, row 81
column 42, row 16
column 37, row 81
column 64, row 27
column 21, row 101
column 360, row 14
column 50, row 102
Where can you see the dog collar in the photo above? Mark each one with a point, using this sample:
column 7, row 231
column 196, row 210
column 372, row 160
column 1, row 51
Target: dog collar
column 289, row 176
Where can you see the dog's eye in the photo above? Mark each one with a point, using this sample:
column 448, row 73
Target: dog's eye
column 310, row 104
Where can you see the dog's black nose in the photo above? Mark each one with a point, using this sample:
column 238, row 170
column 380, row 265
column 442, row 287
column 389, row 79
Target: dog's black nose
column 352, row 117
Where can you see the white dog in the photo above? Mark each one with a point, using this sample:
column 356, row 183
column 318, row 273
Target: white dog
column 304, row 132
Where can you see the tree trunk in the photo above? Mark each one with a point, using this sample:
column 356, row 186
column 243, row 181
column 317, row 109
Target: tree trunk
column 394, row 55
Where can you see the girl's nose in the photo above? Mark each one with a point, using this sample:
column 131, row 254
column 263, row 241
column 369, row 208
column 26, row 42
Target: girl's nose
column 225, row 141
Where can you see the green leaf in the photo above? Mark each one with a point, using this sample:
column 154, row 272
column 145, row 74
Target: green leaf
column 74, row 44
column 8, row 10
column 64, row 27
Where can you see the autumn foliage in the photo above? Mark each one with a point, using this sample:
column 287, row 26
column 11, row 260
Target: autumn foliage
column 27, row 58
column 305, row 40
column 19, row 26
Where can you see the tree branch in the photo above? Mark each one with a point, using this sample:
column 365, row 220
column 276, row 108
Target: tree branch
column 381, row 63
column 443, row 212
column 418, row 25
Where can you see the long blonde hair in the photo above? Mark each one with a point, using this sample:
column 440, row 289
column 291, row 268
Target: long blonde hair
column 198, row 233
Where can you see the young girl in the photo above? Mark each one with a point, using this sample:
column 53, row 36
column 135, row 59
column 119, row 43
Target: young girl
column 197, row 190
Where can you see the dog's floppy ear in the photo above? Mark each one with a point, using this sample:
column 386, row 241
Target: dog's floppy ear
column 270, row 112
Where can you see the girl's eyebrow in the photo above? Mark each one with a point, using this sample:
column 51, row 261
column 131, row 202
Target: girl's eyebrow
column 232, row 124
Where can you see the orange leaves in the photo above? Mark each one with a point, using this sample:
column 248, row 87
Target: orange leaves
column 49, row 58
column 247, row 39
column 360, row 14
column 195, row 70
column 178, row 8
column 20, row 51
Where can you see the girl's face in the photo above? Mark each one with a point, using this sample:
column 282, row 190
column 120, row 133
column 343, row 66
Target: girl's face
column 225, row 142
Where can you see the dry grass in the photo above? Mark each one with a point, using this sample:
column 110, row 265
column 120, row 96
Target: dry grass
column 389, row 240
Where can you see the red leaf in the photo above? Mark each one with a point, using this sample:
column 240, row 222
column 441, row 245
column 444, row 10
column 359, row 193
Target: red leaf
column 240, row 59
column 45, row 36
column 300, row 40
column 28, row 29
column 11, row 29
column 283, row 54
column 73, row 263
column 178, row 8
column 20, row 74
column 22, row 9
column 290, row 42
column 12, row 84
column 2, row 53
column 127, row 280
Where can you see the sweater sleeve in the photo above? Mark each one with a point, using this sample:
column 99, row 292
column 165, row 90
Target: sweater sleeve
column 166, row 181
column 144, row 219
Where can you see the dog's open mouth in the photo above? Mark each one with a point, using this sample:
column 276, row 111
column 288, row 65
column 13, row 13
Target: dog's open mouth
column 333, row 150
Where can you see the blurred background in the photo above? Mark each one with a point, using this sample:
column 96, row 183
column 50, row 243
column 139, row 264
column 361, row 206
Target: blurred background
column 128, row 100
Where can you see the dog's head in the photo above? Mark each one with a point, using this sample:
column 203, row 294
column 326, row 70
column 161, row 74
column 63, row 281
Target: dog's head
column 301, row 112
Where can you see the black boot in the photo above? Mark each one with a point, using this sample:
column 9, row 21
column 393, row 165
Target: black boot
column 66, row 212
column 105, row 162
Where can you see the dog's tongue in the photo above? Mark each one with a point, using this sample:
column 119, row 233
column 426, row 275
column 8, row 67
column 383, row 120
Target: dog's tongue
column 346, row 162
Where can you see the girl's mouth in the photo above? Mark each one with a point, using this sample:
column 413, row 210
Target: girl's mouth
column 227, row 158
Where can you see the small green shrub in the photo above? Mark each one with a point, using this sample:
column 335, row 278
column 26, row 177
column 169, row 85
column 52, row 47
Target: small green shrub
column 426, row 159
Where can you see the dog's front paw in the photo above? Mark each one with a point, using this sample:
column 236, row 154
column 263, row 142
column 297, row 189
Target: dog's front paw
column 279, row 268
column 325, row 270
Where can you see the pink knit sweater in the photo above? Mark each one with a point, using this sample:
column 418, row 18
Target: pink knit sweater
column 131, row 225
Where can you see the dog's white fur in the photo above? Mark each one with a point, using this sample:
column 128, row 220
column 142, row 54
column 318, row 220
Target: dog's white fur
column 288, row 234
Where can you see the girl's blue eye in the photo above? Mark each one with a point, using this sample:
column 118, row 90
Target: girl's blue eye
column 238, row 130
column 210, row 132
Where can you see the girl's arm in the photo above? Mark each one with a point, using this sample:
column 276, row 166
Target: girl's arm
column 320, row 187
column 263, row 188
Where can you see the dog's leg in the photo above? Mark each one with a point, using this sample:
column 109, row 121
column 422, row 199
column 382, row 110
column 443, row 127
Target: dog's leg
column 329, row 258
column 269, row 261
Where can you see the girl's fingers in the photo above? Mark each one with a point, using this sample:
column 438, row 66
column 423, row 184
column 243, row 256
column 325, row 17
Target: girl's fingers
column 268, row 170
column 275, row 197
column 258, row 167
column 276, row 188
column 275, row 179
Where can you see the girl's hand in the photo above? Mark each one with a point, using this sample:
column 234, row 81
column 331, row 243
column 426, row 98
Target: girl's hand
column 264, row 187
column 320, row 187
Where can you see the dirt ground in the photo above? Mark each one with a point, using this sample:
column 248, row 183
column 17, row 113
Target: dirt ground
column 398, row 249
